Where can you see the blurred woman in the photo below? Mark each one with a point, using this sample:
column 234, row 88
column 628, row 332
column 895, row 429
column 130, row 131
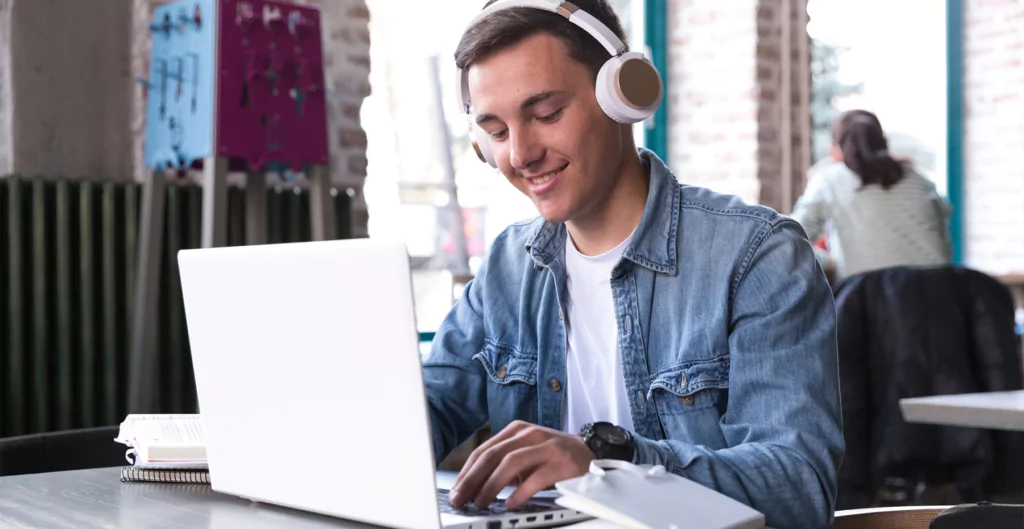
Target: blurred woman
column 878, row 211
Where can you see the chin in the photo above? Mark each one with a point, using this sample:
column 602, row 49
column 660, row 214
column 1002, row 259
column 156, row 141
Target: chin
column 554, row 219
column 552, row 207
column 554, row 215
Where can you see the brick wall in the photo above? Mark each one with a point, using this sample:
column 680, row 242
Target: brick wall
column 64, row 87
column 347, row 72
column 994, row 135
column 142, row 16
column 775, row 137
column 6, row 145
column 725, row 114
column 712, row 95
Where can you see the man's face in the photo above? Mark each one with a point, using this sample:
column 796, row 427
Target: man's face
column 547, row 132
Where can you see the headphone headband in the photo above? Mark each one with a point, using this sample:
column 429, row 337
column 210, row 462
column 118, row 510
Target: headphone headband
column 628, row 86
column 605, row 36
column 585, row 21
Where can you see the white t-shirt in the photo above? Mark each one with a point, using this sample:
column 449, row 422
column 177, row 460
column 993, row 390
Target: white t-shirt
column 595, row 389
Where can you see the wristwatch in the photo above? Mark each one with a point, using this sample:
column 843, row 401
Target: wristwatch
column 608, row 441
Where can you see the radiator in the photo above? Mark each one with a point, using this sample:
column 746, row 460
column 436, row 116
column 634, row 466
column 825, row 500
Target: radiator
column 67, row 269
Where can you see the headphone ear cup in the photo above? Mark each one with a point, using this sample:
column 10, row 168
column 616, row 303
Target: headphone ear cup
column 603, row 91
column 629, row 89
column 482, row 145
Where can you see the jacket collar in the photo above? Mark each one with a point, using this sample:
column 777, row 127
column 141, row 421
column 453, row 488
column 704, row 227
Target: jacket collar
column 654, row 242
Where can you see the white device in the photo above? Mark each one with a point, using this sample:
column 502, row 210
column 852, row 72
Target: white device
column 629, row 88
column 310, row 384
column 649, row 497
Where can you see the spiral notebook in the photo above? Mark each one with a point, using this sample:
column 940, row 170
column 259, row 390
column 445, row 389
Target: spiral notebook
column 169, row 441
column 133, row 474
column 164, row 449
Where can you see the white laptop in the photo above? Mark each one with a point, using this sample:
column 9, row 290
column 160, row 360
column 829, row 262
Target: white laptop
column 310, row 385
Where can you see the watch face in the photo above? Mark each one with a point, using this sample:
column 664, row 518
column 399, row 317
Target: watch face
column 611, row 434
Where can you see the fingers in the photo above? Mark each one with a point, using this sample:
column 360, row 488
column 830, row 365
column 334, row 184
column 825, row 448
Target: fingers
column 563, row 457
column 519, row 463
column 485, row 459
column 542, row 478
column 531, row 456
column 506, row 433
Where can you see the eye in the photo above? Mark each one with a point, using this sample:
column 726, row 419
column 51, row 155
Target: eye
column 498, row 135
column 551, row 118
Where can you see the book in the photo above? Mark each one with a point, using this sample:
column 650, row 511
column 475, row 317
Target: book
column 133, row 474
column 168, row 442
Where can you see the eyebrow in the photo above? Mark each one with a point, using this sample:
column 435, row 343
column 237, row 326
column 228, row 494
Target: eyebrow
column 535, row 99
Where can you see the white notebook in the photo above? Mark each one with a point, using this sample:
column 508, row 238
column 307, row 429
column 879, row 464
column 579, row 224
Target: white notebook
column 164, row 441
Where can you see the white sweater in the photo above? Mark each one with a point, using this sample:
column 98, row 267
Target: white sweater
column 871, row 228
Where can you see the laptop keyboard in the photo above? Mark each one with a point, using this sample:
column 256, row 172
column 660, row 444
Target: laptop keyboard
column 497, row 507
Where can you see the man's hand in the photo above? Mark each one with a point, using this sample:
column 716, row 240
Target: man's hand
column 532, row 457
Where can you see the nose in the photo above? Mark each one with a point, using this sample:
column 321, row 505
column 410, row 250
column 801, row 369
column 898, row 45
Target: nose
column 524, row 149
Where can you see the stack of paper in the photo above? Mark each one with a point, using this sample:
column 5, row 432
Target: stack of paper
column 164, row 441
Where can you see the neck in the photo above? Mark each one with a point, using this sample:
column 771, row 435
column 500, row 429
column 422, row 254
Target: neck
column 613, row 219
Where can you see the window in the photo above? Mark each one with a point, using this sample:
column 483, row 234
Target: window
column 424, row 178
column 889, row 57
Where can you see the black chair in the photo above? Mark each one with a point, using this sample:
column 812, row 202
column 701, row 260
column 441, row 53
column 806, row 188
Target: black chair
column 63, row 450
column 911, row 332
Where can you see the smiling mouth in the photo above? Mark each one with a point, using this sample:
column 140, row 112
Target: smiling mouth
column 544, row 178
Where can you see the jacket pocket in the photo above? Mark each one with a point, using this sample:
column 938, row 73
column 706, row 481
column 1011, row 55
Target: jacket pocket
column 506, row 366
column 692, row 386
column 691, row 398
column 511, row 384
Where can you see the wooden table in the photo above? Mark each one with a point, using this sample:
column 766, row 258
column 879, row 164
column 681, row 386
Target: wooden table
column 888, row 517
column 1002, row 410
column 97, row 498
column 1012, row 280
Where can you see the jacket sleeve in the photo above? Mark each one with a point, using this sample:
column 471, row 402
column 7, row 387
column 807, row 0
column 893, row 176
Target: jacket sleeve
column 996, row 347
column 813, row 209
column 455, row 383
column 783, row 419
column 996, row 359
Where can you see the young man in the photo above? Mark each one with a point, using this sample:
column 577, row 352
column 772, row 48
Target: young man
column 637, row 318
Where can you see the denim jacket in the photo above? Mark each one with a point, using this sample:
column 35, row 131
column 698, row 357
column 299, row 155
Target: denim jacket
column 727, row 330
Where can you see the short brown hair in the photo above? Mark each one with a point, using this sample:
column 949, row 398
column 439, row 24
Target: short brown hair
column 508, row 27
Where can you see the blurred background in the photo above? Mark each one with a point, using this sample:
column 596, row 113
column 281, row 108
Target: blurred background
column 753, row 87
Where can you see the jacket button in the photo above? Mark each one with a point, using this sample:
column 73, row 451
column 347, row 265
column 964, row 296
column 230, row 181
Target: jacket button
column 502, row 372
column 555, row 385
column 688, row 400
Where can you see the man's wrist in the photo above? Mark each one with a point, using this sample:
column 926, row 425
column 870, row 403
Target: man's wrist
column 608, row 441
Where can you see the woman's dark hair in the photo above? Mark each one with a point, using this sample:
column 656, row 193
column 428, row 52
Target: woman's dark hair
column 865, row 150
column 508, row 27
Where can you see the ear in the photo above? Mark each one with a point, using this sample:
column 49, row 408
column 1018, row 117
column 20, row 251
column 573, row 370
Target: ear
column 835, row 152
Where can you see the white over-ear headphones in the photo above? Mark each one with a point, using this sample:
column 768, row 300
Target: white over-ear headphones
column 629, row 87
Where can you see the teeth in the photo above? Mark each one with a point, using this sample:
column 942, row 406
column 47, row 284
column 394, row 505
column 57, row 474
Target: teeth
column 542, row 179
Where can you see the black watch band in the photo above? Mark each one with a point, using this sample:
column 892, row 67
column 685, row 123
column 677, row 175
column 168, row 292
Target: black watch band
column 608, row 441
